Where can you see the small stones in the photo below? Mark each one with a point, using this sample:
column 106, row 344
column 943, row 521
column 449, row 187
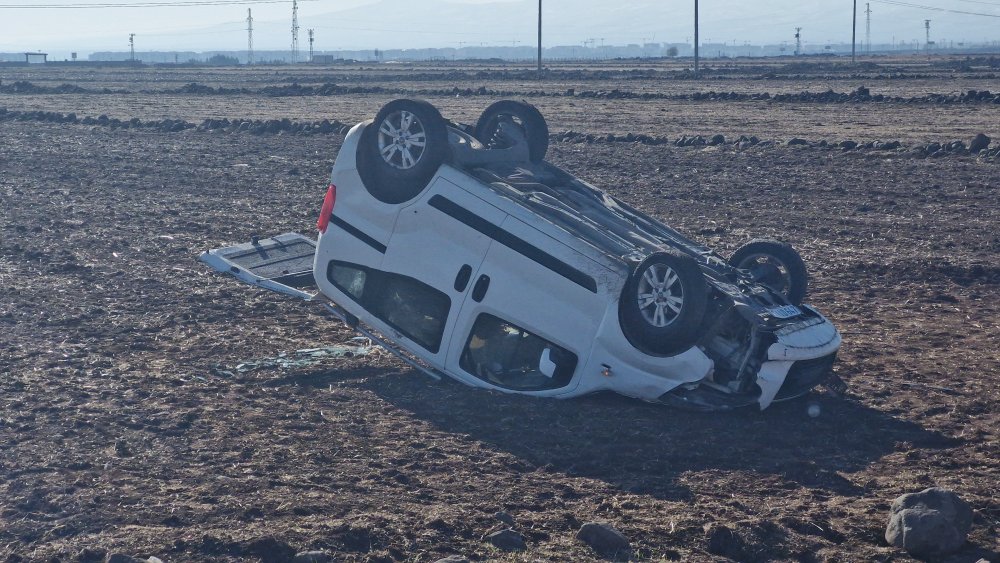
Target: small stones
column 848, row 145
column 603, row 538
column 934, row 521
column 797, row 142
column 717, row 140
column 454, row 559
column 507, row 540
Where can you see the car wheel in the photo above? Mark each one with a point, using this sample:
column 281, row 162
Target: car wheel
column 776, row 265
column 521, row 114
column 663, row 304
column 402, row 149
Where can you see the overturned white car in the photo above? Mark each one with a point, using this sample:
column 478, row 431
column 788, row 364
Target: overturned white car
column 467, row 254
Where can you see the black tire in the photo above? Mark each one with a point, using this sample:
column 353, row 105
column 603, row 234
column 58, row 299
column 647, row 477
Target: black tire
column 392, row 167
column 660, row 315
column 522, row 114
column 776, row 265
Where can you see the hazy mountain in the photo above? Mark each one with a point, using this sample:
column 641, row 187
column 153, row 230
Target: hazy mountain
column 387, row 24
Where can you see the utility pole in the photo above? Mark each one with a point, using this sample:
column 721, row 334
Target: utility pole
column 868, row 26
column 249, row 37
column 295, row 31
column 539, row 39
column 854, row 34
column 310, row 45
column 131, row 46
column 798, row 41
column 696, row 36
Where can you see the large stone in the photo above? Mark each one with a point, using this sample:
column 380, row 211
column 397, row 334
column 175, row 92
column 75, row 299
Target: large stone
column 978, row 143
column 932, row 522
column 603, row 538
column 454, row 559
column 507, row 540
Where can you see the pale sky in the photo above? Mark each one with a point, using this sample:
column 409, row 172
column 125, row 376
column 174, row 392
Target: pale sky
column 366, row 24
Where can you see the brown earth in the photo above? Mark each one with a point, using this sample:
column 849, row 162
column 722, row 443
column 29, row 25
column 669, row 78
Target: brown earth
column 126, row 427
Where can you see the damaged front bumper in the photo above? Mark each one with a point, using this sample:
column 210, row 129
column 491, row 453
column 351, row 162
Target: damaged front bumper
column 801, row 358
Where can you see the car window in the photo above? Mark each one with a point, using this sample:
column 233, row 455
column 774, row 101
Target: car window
column 410, row 306
column 509, row 356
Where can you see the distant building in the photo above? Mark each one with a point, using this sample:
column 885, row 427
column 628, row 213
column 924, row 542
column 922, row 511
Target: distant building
column 36, row 58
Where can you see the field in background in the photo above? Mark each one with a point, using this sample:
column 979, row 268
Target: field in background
column 125, row 425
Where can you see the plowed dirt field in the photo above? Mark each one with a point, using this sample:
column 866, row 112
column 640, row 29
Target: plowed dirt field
column 126, row 425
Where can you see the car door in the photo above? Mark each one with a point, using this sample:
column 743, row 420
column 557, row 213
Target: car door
column 531, row 316
column 434, row 249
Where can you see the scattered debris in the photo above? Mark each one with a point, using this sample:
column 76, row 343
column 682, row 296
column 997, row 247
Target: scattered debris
column 306, row 357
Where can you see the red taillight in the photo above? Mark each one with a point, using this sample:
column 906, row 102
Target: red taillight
column 324, row 215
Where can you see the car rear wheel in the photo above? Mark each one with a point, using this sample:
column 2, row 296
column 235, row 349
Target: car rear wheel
column 402, row 149
column 776, row 265
column 663, row 304
column 518, row 114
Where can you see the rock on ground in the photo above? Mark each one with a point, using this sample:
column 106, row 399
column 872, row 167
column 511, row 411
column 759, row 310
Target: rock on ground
column 724, row 541
column 504, row 517
column 978, row 143
column 454, row 559
column 603, row 538
column 507, row 540
column 932, row 522
column 269, row 550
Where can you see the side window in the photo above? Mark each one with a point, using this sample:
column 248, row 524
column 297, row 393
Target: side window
column 412, row 307
column 511, row 357
column 348, row 278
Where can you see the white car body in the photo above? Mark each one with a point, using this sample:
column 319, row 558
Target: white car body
column 497, row 261
column 422, row 242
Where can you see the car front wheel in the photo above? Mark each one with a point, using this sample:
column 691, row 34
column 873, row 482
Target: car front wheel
column 776, row 265
column 663, row 304
column 517, row 114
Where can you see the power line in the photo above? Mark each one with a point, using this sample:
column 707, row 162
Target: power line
column 935, row 8
column 984, row 2
column 141, row 4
